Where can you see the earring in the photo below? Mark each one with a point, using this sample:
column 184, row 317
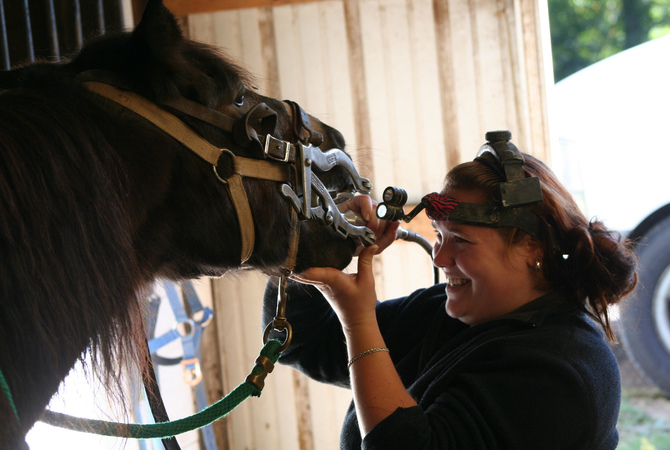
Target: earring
column 538, row 265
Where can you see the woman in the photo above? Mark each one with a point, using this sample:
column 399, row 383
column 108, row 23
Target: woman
column 505, row 355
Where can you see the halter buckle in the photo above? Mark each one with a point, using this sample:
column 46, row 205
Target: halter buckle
column 276, row 149
column 192, row 373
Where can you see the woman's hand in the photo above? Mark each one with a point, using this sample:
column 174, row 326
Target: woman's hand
column 352, row 296
column 365, row 207
column 377, row 388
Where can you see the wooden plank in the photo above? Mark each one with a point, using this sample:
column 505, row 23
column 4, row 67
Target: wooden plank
column 446, row 69
column 512, row 63
column 252, row 424
column 303, row 408
column 186, row 7
column 212, row 377
column 270, row 71
column 289, row 65
column 280, row 385
column 357, row 77
column 400, row 89
column 127, row 19
column 429, row 119
column 338, row 90
column 240, row 35
column 199, row 27
column 537, row 61
column 228, row 318
column 309, row 67
column 252, row 54
column 491, row 66
column 377, row 94
column 378, row 109
column 263, row 426
column 465, row 92
column 329, row 405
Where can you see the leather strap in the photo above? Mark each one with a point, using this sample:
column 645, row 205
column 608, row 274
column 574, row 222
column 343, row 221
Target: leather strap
column 203, row 113
column 167, row 122
column 291, row 257
column 239, row 197
column 242, row 167
column 156, row 402
column 302, row 126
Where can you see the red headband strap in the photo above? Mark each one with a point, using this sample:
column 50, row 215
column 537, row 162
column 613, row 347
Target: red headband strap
column 438, row 207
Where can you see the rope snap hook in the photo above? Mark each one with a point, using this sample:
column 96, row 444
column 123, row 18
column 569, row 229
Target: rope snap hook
column 280, row 323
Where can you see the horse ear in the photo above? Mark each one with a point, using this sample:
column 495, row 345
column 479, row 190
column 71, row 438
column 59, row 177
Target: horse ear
column 158, row 30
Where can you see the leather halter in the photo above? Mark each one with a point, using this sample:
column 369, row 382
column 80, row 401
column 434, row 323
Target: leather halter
column 236, row 166
column 283, row 161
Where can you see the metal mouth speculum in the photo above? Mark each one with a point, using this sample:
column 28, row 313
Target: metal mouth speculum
column 311, row 199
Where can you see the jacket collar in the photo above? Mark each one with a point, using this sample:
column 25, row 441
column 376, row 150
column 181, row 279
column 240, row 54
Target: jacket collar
column 535, row 312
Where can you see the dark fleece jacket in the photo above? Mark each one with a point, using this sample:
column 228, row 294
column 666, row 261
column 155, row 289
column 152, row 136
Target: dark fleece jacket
column 540, row 377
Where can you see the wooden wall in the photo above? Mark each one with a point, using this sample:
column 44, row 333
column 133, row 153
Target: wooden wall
column 413, row 85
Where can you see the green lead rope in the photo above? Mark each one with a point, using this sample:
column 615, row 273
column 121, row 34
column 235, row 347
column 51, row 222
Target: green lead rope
column 252, row 386
column 8, row 394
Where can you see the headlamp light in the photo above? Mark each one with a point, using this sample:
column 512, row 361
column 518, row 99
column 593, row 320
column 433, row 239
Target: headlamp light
column 516, row 193
column 389, row 212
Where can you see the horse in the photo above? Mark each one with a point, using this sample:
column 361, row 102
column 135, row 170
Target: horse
column 96, row 202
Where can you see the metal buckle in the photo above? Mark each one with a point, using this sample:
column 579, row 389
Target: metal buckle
column 277, row 143
column 191, row 376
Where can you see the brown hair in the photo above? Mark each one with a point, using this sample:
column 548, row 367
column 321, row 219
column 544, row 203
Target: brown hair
column 591, row 264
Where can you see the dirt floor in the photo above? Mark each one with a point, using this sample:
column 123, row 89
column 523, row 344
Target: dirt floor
column 644, row 422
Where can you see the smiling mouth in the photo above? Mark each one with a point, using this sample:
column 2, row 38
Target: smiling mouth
column 455, row 282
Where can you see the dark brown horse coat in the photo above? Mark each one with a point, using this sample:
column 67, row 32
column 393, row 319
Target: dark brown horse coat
column 96, row 203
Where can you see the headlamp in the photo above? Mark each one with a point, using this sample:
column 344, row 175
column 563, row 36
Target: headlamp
column 391, row 208
column 511, row 208
column 395, row 196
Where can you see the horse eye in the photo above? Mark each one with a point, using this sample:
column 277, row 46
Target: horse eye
column 239, row 101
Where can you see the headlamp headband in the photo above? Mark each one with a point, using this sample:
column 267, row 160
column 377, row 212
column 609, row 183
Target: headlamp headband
column 515, row 194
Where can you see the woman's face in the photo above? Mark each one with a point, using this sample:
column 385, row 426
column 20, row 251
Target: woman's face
column 485, row 278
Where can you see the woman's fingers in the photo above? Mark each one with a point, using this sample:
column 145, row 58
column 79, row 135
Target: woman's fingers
column 388, row 236
column 365, row 275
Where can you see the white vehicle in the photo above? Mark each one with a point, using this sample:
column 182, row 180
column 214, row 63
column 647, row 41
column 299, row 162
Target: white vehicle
column 612, row 121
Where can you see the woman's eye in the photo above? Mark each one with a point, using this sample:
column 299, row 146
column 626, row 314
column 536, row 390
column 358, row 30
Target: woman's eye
column 239, row 101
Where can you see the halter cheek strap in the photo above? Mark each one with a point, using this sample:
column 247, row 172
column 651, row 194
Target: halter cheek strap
column 240, row 167
column 282, row 161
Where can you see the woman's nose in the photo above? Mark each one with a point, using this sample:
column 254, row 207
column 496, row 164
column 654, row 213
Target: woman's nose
column 442, row 255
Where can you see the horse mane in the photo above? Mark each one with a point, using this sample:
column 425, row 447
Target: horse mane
column 65, row 236
column 76, row 190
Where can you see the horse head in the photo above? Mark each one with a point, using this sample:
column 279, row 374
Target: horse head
column 160, row 64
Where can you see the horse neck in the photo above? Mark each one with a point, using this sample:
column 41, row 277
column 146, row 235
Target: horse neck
column 68, row 268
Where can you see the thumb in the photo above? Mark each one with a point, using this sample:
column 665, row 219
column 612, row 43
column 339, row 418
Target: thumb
column 365, row 263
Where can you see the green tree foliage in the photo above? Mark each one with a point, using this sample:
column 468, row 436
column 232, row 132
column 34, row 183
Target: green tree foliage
column 586, row 31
